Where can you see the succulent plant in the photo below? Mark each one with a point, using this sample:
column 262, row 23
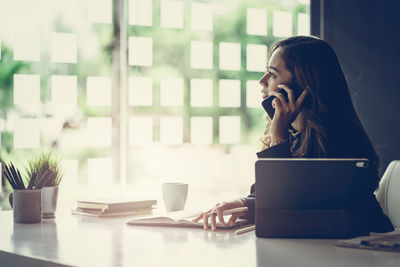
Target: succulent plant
column 44, row 170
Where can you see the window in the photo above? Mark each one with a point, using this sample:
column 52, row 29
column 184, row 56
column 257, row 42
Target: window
column 183, row 102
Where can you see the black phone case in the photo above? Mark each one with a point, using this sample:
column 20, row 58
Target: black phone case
column 267, row 103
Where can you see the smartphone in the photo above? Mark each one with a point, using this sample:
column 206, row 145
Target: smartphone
column 267, row 103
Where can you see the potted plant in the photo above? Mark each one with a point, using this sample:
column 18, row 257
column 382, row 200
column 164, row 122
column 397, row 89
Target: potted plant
column 45, row 171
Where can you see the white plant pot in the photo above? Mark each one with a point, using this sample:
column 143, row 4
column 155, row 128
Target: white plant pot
column 49, row 201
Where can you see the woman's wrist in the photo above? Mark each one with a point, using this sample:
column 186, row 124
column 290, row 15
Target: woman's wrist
column 278, row 139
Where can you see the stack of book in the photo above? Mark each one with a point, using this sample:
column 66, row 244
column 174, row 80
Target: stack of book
column 110, row 208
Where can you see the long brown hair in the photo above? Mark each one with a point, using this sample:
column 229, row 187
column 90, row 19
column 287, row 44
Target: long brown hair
column 328, row 105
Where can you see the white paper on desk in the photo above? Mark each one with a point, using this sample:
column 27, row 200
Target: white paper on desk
column 179, row 219
column 356, row 242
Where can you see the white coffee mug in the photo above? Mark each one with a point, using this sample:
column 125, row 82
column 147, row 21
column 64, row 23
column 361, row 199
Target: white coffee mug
column 175, row 195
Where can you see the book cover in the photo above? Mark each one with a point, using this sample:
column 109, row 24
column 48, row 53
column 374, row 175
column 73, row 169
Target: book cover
column 115, row 205
column 96, row 213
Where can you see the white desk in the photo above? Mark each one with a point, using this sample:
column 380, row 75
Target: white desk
column 79, row 241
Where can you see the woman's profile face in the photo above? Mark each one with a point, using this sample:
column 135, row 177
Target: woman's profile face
column 276, row 74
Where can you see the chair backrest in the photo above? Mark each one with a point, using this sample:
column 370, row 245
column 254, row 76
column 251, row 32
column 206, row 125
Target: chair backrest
column 388, row 193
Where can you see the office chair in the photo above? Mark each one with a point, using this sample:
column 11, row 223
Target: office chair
column 388, row 193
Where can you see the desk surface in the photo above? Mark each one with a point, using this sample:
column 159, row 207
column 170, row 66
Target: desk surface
column 81, row 241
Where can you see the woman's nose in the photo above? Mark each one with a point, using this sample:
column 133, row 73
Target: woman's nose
column 263, row 80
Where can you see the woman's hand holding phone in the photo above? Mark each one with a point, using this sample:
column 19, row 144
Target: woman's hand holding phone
column 285, row 112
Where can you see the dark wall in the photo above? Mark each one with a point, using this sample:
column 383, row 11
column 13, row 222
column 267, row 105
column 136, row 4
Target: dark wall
column 366, row 37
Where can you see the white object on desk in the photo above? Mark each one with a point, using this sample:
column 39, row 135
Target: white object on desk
column 245, row 229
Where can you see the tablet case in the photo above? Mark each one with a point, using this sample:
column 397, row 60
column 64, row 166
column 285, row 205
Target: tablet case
column 312, row 198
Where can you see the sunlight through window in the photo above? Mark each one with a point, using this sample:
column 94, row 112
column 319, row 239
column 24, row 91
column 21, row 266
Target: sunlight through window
column 303, row 24
column 26, row 46
column 140, row 130
column 201, row 92
column 201, row 55
column 99, row 132
column 171, row 92
column 229, row 56
column 172, row 14
column 98, row 91
column 140, row 51
column 140, row 91
column 201, row 130
column 141, row 12
column 229, row 93
column 256, row 57
column 27, row 92
column 100, row 11
column 282, row 24
column 171, row 130
column 201, row 16
column 64, row 48
column 26, row 133
column 256, row 21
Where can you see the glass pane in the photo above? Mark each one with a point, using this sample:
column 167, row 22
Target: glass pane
column 64, row 48
column 171, row 92
column 99, row 132
column 171, row 130
column 282, row 24
column 64, row 90
column 26, row 133
column 229, row 56
column 229, row 129
column 98, row 91
column 100, row 172
column 140, row 131
column 256, row 21
column 140, row 91
column 202, row 17
column 256, row 57
column 140, row 51
column 141, row 12
column 73, row 140
column 100, row 11
column 26, row 46
column 50, row 128
column 201, row 92
column 253, row 94
column 201, row 55
column 229, row 93
column 27, row 92
column 201, row 130
column 172, row 14
column 303, row 24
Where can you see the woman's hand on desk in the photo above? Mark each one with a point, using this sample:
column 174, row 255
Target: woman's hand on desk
column 218, row 210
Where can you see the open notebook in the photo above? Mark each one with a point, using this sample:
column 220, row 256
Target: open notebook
column 182, row 219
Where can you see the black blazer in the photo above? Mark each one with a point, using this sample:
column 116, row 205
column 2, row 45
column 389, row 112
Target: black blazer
column 378, row 220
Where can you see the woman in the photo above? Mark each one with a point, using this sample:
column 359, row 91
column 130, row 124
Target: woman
column 320, row 123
